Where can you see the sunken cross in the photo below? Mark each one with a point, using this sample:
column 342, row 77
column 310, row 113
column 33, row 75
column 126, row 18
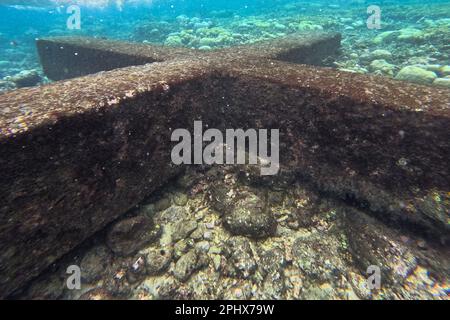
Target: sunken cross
column 77, row 154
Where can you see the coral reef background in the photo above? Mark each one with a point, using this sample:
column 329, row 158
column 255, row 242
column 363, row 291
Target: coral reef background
column 412, row 44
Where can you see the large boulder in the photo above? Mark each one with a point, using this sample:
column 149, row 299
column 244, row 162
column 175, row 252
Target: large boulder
column 26, row 78
column 416, row 75
column 130, row 235
column 250, row 217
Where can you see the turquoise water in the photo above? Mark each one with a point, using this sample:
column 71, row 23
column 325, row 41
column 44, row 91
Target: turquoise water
column 210, row 24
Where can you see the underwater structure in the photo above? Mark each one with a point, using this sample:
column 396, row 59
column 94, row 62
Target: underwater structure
column 79, row 153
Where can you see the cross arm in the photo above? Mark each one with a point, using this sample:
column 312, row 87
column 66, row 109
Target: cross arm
column 70, row 57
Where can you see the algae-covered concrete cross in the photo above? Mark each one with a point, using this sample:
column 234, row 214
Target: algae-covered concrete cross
column 76, row 154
